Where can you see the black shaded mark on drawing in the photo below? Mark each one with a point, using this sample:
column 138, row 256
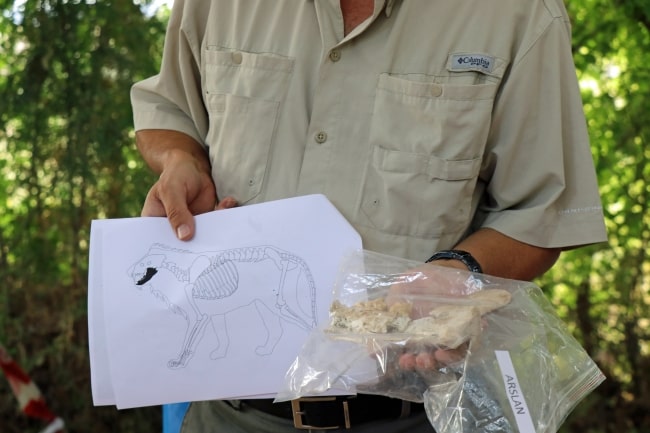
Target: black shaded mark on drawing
column 213, row 287
column 147, row 276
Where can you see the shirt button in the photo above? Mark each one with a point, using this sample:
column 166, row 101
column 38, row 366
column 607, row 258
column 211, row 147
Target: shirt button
column 237, row 58
column 320, row 137
column 335, row 55
column 436, row 90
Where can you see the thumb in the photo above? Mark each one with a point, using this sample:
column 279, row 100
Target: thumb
column 170, row 202
column 182, row 221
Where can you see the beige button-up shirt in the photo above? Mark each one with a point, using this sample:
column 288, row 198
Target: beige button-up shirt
column 429, row 120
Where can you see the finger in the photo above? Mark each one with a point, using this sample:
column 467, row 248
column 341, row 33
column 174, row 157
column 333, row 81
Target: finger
column 450, row 356
column 226, row 203
column 425, row 361
column 406, row 361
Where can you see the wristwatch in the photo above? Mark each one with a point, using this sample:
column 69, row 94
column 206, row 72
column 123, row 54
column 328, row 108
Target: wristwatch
column 460, row 255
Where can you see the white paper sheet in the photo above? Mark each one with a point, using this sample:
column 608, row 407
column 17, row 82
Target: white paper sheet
column 259, row 277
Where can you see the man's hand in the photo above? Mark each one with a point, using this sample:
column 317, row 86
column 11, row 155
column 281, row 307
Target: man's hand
column 422, row 358
column 498, row 254
column 428, row 282
column 185, row 187
column 181, row 192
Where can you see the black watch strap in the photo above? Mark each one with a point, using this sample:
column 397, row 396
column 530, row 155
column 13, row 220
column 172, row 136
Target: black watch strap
column 460, row 255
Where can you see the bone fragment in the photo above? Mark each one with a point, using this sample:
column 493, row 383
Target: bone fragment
column 447, row 324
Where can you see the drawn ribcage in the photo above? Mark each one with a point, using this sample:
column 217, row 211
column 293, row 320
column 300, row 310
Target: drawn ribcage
column 217, row 281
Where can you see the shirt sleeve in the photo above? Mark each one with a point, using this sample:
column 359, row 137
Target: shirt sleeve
column 173, row 99
column 538, row 172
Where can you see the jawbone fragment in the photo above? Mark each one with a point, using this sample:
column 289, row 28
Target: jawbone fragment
column 448, row 323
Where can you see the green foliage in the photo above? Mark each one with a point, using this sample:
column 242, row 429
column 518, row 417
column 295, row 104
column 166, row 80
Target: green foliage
column 603, row 291
column 67, row 156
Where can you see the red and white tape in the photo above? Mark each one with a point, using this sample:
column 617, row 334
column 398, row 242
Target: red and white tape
column 30, row 399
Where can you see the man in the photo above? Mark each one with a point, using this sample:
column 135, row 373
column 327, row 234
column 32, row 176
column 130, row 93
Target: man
column 431, row 125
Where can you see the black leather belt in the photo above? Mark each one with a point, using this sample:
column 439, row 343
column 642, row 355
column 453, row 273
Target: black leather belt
column 336, row 412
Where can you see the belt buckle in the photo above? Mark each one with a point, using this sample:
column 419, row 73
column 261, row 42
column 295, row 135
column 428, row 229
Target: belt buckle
column 298, row 412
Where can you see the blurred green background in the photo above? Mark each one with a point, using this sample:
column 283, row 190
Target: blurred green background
column 67, row 156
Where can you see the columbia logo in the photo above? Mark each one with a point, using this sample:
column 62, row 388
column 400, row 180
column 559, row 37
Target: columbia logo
column 471, row 62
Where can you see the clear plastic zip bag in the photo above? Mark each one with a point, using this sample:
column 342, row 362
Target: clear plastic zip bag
column 483, row 354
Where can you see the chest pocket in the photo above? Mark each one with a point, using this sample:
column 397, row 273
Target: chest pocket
column 427, row 141
column 243, row 92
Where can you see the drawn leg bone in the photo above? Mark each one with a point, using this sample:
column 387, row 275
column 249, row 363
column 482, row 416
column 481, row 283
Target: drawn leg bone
column 189, row 345
column 273, row 326
column 194, row 333
column 290, row 314
column 221, row 332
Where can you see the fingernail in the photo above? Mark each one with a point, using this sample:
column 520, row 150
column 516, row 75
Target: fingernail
column 183, row 231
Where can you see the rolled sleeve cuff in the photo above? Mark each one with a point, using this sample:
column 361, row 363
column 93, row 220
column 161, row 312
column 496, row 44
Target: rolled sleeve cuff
column 166, row 118
column 564, row 229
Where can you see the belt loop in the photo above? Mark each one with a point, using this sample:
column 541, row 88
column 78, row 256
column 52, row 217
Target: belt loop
column 406, row 409
column 346, row 414
column 298, row 413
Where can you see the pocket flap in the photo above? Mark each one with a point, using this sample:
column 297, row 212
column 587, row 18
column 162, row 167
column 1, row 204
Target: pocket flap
column 433, row 166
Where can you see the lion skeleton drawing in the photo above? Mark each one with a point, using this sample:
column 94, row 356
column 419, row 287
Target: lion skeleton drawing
column 219, row 282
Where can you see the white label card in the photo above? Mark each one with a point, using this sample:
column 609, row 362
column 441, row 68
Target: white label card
column 514, row 392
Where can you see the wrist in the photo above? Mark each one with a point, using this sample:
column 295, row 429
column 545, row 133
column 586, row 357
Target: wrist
column 162, row 148
column 178, row 156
